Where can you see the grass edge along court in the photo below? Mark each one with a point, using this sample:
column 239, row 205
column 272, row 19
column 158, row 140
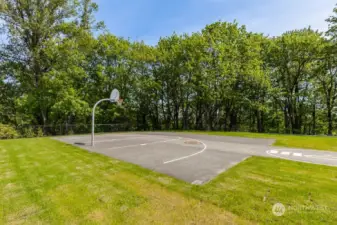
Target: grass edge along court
column 283, row 140
column 45, row 181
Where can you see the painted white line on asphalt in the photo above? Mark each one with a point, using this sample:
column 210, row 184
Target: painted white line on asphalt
column 297, row 160
column 297, row 154
column 321, row 157
column 142, row 144
column 285, row 153
column 169, row 140
column 273, row 151
column 114, row 140
column 155, row 142
column 188, row 156
column 111, row 140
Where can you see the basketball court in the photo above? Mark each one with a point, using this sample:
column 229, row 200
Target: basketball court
column 192, row 158
column 185, row 158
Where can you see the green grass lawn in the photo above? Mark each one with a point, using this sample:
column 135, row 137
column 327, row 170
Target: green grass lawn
column 250, row 189
column 43, row 181
column 291, row 141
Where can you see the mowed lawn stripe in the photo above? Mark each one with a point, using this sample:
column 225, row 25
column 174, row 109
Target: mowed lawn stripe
column 48, row 182
column 251, row 188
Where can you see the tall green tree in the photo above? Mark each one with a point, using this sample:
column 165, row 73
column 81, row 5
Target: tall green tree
column 44, row 49
column 326, row 75
column 53, row 70
column 291, row 58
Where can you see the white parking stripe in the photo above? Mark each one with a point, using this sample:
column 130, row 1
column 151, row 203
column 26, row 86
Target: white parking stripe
column 298, row 159
column 285, row 153
column 321, row 157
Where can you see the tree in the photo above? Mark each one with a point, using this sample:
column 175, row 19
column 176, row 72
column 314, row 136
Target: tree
column 291, row 58
column 234, row 66
column 53, row 69
column 43, row 49
column 327, row 78
column 332, row 31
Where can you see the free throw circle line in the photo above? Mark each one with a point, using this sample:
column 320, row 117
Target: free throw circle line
column 188, row 156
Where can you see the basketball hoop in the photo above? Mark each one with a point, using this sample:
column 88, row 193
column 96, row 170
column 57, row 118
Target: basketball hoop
column 114, row 98
column 119, row 102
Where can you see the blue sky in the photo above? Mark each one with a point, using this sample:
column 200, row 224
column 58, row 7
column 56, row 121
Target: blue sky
column 150, row 19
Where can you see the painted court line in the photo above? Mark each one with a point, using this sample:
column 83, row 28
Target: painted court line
column 321, row 157
column 102, row 136
column 188, row 156
column 285, row 153
column 155, row 142
column 296, row 160
column 114, row 140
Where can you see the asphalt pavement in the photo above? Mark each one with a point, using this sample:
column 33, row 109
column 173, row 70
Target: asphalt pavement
column 190, row 157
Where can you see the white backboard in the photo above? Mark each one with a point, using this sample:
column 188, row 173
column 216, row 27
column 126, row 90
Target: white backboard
column 114, row 96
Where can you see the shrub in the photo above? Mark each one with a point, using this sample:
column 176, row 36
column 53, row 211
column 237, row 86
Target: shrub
column 39, row 132
column 28, row 132
column 7, row 132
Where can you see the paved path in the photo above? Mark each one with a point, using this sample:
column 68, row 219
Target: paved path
column 193, row 158
column 262, row 147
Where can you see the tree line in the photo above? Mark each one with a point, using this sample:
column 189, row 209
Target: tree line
column 56, row 61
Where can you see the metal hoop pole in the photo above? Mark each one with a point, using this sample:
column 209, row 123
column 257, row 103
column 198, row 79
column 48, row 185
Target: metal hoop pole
column 93, row 120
